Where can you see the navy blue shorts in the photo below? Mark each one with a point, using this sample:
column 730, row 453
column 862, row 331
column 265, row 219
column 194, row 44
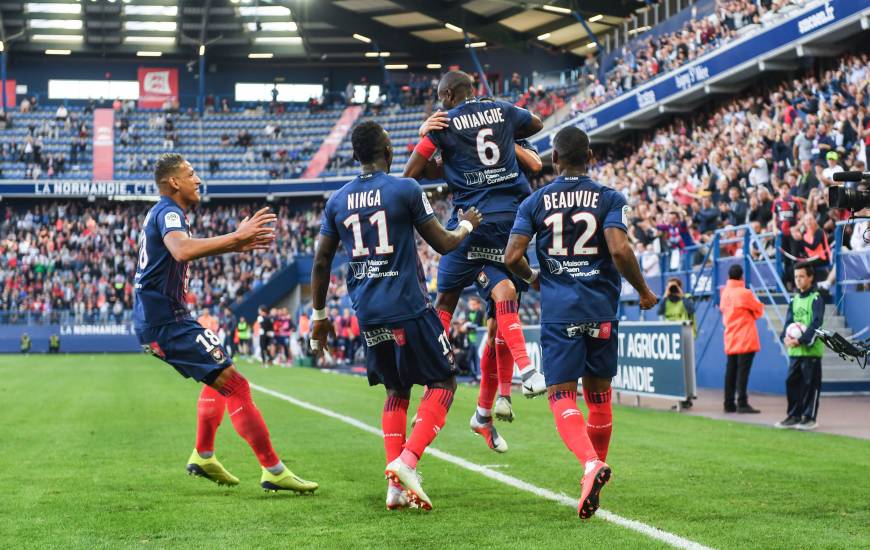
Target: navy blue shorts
column 479, row 259
column 402, row 354
column 193, row 350
column 567, row 358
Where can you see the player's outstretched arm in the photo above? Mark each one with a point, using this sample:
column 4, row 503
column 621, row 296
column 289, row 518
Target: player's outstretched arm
column 444, row 241
column 515, row 260
column 416, row 165
column 324, row 253
column 626, row 262
column 529, row 160
column 254, row 233
column 531, row 128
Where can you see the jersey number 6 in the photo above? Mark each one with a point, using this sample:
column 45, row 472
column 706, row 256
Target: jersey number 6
column 487, row 151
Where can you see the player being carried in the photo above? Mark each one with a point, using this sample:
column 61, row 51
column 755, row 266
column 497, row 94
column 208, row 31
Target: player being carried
column 166, row 329
column 480, row 166
column 497, row 363
column 582, row 247
column 374, row 217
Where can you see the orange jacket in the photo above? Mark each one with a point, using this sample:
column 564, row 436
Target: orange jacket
column 740, row 308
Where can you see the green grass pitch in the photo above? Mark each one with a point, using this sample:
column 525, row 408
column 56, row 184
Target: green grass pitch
column 93, row 448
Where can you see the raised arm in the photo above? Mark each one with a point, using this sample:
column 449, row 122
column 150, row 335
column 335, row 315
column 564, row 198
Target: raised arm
column 531, row 128
column 626, row 262
column 442, row 240
column 528, row 159
column 253, row 233
column 415, row 166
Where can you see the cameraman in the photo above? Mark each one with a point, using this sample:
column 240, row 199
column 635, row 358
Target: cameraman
column 677, row 306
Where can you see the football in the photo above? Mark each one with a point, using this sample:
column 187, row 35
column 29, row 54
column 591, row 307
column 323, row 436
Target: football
column 795, row 330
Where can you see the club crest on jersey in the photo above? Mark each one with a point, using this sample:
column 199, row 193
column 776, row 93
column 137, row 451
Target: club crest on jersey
column 218, row 355
column 482, row 279
column 359, row 269
column 154, row 349
column 399, row 336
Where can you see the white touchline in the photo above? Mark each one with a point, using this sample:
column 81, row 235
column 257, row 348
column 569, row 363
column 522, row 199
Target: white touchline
column 674, row 540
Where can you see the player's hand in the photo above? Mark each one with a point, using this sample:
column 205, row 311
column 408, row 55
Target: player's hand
column 320, row 332
column 790, row 342
column 536, row 284
column 648, row 299
column 472, row 215
column 438, row 121
column 255, row 232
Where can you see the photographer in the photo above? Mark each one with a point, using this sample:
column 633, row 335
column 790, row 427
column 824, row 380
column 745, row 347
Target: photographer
column 803, row 384
column 677, row 306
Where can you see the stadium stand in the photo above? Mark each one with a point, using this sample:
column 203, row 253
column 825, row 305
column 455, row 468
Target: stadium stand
column 247, row 145
column 75, row 260
column 45, row 143
column 659, row 52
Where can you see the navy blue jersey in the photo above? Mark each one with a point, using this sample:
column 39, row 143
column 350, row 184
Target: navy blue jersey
column 161, row 281
column 477, row 149
column 374, row 215
column 579, row 281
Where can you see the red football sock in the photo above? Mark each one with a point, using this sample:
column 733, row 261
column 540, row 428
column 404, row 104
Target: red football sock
column 247, row 419
column 505, row 366
column 488, row 378
column 446, row 318
column 600, row 424
column 570, row 424
column 431, row 415
column 209, row 414
column 511, row 330
column 394, row 422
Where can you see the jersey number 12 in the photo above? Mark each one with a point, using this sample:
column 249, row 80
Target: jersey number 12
column 557, row 222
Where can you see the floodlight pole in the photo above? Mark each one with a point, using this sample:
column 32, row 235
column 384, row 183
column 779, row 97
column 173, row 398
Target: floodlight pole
column 3, row 75
column 388, row 83
column 579, row 17
column 477, row 65
column 200, row 98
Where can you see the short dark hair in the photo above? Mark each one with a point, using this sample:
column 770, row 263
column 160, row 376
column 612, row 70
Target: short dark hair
column 458, row 81
column 369, row 141
column 735, row 272
column 808, row 268
column 572, row 146
column 166, row 165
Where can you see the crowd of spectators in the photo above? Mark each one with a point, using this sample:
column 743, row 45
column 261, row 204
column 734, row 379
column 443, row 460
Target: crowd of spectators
column 31, row 150
column 79, row 259
column 644, row 58
column 766, row 160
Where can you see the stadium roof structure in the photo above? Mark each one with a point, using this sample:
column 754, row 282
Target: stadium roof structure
column 415, row 31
